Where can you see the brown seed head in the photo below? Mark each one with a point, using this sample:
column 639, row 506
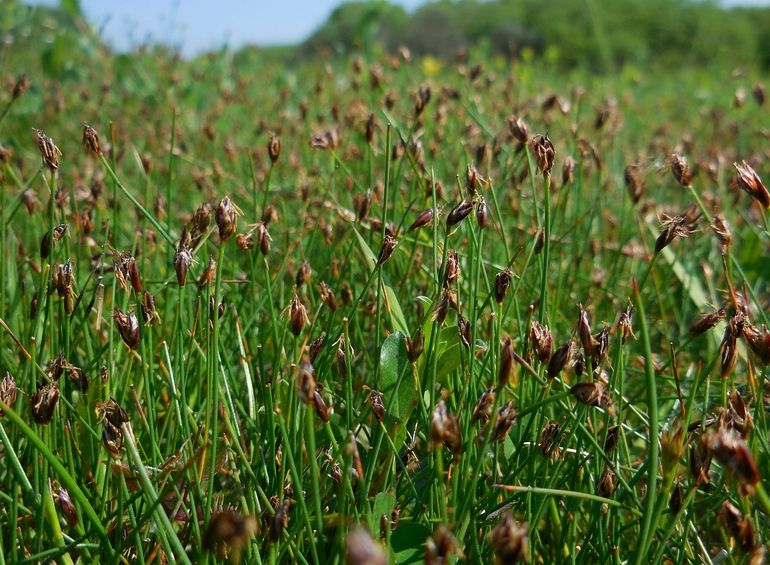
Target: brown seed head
column 722, row 230
column 634, row 182
column 707, row 321
column 21, row 86
column 128, row 327
column 228, row 530
column 227, row 218
column 8, row 391
column 544, row 153
column 48, row 150
column 729, row 346
column 591, row 394
column 758, row 340
column 459, row 212
column 274, row 147
column 678, row 226
column 376, row 399
column 736, row 525
column 425, row 218
column 732, row 452
column 506, row 362
column 680, row 168
column 518, row 129
column 483, row 408
column 560, row 359
column 510, row 540
column 43, row 402
column 607, row 483
column 502, row 284
column 748, row 180
column 182, row 260
column 361, row 549
column 149, row 312
column 389, row 244
column 568, row 171
column 541, row 340
column 482, row 213
column 549, row 439
column 584, row 331
column 297, row 315
column 506, row 416
column 625, row 327
column 91, row 140
column 415, row 345
column 62, row 498
column 327, row 296
column 445, row 429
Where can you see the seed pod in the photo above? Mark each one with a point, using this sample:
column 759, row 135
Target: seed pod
column 128, row 327
column 568, row 171
column 274, row 147
column 8, row 391
column 182, row 261
column 737, row 526
column 560, row 359
column 361, row 549
column 729, row 346
column 464, row 331
column 471, row 179
column 549, row 438
column 680, row 169
column 502, row 284
column 78, row 377
column 676, row 499
column 279, row 521
column 421, row 99
column 541, row 340
column 634, row 182
column 518, row 129
column 378, row 404
column 748, row 180
column 112, row 439
column 506, row 362
column 371, row 127
column 482, row 214
column 721, row 229
column 591, row 394
column 600, row 346
column 244, row 241
column 425, row 218
column 452, row 271
column 415, row 345
column 315, row 347
column 678, row 226
column 445, row 429
column 733, row 453
column 48, row 150
column 149, row 312
column 327, row 296
column 442, row 308
column 758, row 340
column 209, row 274
column 608, row 483
column 736, row 416
column 319, row 405
column 611, row 440
column 707, row 321
column 584, row 331
column 506, row 416
column 304, row 273
column 700, row 463
column 227, row 218
column 459, row 212
column 389, row 243
column 91, row 140
column 21, row 86
column 440, row 547
column 624, row 323
column 544, row 153
column 263, row 238
column 112, row 412
column 482, row 409
column 510, row 540
column 228, row 530
column 362, row 204
column 539, row 241
column 43, row 402
column 297, row 315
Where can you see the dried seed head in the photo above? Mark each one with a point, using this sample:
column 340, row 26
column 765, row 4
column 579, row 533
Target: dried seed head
column 228, row 530
column 327, row 296
column 51, row 238
column 608, row 483
column 568, row 171
column 361, row 549
column 375, row 398
column 279, row 521
column 371, row 128
column 91, row 140
column 112, row 412
column 681, row 170
column 425, row 218
column 722, row 230
column 700, row 462
column 483, row 408
column 441, row 546
column 227, row 218
column 729, row 346
column 421, row 99
column 389, row 243
column 737, row 526
column 634, row 182
column 482, row 213
column 452, row 271
column 149, row 312
column 182, row 261
column 464, row 331
column 506, row 416
column 459, row 212
column 541, row 340
column 30, row 200
column 707, row 321
column 518, row 129
column 591, row 394
column 315, row 347
column 549, row 439
column 510, row 540
column 736, row 416
column 445, row 429
column 758, row 340
column 362, row 204
column 502, row 284
column 446, row 301
column 471, row 179
column 506, row 362
column 8, row 391
column 274, row 147
column 209, row 274
column 43, row 402
column 678, row 226
column 600, row 345
column 263, row 238
column 544, row 153
column 584, row 331
column 62, row 498
column 625, row 327
column 415, row 345
column 304, row 273
column 297, row 315
column 21, row 86
column 748, row 180
column 732, row 452
column 560, row 359
column 48, row 150
column 128, row 327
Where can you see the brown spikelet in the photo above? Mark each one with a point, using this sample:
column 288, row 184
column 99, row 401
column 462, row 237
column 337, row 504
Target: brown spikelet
column 729, row 347
column 459, row 212
column 423, row 219
column 128, row 327
column 560, row 359
column 43, row 401
column 732, row 452
column 48, row 150
column 8, row 391
column 91, row 140
column 510, row 540
column 748, row 180
column 502, row 284
column 544, row 153
column 680, row 169
column 361, row 549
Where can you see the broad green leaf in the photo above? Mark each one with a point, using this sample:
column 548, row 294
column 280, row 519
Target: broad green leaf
column 398, row 386
column 408, row 543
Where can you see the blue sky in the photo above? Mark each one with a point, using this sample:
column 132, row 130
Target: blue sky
column 197, row 25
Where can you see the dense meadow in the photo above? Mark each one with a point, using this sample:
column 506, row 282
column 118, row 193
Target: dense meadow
column 381, row 309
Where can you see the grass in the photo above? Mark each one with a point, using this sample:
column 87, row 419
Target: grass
column 343, row 425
